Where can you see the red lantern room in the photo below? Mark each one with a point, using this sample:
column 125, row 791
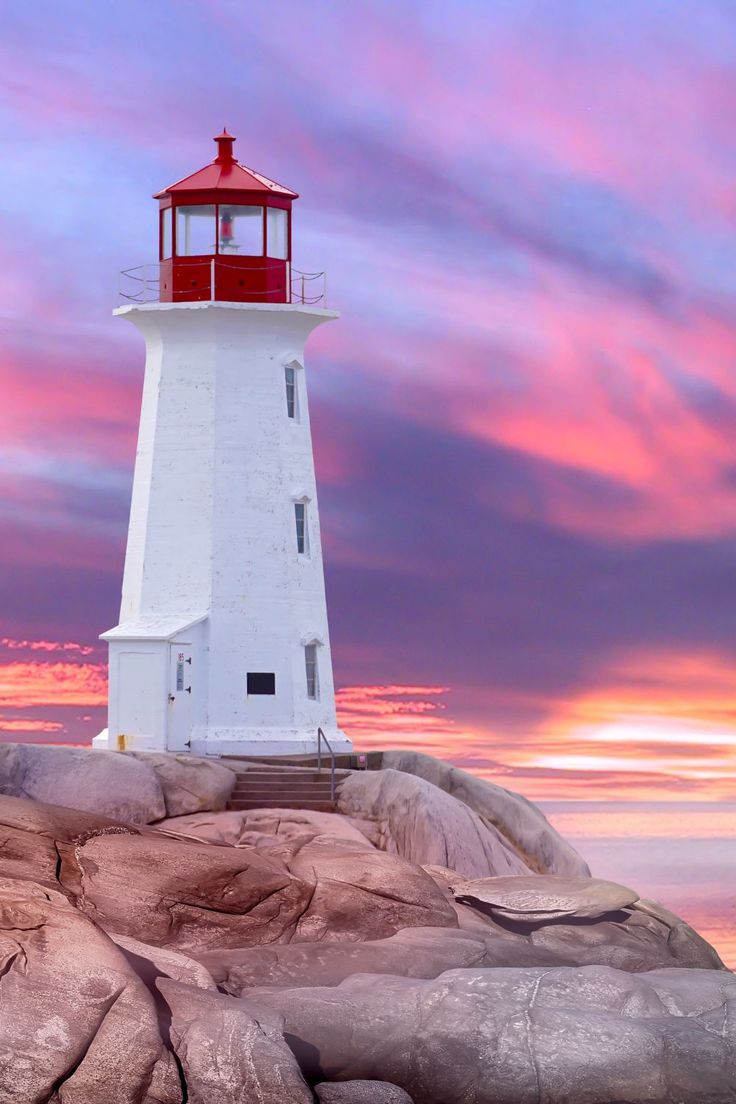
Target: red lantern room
column 225, row 233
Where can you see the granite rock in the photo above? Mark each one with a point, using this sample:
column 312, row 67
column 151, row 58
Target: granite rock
column 227, row 1055
column 426, row 826
column 520, row 823
column 189, row 784
column 587, row 1035
column 75, row 1019
column 360, row 1092
column 103, row 782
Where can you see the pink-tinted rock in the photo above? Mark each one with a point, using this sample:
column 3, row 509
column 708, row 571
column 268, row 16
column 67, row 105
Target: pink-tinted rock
column 415, row 952
column 519, row 822
column 540, row 898
column 582, row 1036
column 263, row 827
column 360, row 1092
column 425, row 825
column 38, row 841
column 189, row 784
column 227, row 1056
column 188, row 896
column 103, row 782
column 360, row 893
column 153, row 962
column 77, row 1025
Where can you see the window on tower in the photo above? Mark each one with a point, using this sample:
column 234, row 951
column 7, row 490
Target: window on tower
column 278, row 233
column 166, row 234
column 261, row 682
column 290, row 375
column 195, row 230
column 302, row 535
column 310, row 658
column 241, row 230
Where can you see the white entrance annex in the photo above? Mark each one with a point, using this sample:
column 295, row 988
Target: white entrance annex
column 223, row 641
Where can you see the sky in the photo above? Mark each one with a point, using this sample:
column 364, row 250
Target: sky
column 524, row 421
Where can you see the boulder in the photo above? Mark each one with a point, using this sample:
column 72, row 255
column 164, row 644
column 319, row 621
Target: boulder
column 151, row 963
column 359, row 893
column 520, row 823
column 76, row 1022
column 544, row 897
column 104, row 782
column 189, row 896
column 226, row 1055
column 360, row 1092
column 189, row 784
column 263, row 827
column 39, row 841
column 413, row 952
column 425, row 825
column 587, row 1035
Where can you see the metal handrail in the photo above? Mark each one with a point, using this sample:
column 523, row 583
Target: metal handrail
column 143, row 285
column 320, row 737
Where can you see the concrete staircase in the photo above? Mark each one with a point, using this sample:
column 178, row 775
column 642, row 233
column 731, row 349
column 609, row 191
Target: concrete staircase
column 267, row 787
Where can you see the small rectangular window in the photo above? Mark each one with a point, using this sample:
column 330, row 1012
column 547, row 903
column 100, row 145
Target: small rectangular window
column 278, row 234
column 261, row 682
column 290, row 374
column 166, row 234
column 310, row 656
column 302, row 535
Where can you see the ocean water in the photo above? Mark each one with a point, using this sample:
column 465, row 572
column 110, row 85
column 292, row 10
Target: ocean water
column 680, row 853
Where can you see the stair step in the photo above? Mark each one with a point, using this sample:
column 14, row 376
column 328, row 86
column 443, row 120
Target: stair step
column 242, row 805
column 277, row 776
column 290, row 791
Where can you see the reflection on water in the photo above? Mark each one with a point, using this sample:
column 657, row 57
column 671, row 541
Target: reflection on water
column 680, row 853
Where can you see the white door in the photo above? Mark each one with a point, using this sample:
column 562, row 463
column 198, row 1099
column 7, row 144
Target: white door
column 180, row 697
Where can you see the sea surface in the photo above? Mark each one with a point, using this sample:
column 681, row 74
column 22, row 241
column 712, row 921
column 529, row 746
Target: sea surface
column 680, row 853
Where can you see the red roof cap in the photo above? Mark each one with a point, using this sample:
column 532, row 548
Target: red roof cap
column 227, row 174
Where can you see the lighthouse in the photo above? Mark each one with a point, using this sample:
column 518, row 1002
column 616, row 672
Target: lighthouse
column 223, row 644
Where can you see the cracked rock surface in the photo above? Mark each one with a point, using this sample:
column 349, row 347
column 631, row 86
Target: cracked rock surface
column 432, row 943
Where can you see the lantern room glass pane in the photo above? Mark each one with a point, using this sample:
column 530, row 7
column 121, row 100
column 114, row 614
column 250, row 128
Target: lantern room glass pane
column 165, row 234
column 278, row 233
column 195, row 230
column 241, row 230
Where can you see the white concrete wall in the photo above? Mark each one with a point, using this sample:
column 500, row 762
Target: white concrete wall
column 212, row 528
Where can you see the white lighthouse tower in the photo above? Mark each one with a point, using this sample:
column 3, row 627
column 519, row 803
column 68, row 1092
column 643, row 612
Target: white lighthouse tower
column 223, row 644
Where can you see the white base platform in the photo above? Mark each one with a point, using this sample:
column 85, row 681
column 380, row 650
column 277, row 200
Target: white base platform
column 255, row 742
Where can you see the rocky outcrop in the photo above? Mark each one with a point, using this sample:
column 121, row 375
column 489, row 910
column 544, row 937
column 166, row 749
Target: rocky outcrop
column 362, row 894
column 103, row 782
column 412, row 952
column 151, row 963
column 189, row 784
column 75, row 1018
column 520, row 823
column 583, row 1036
column 423, row 824
column 228, row 1056
column 540, row 898
column 264, row 827
column 187, row 896
column 360, row 1092
column 359, row 952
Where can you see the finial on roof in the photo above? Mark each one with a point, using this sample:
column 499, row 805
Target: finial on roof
column 224, row 148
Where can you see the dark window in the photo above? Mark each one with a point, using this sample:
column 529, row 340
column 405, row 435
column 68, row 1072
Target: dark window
column 261, row 682
column 290, row 375
column 302, row 539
